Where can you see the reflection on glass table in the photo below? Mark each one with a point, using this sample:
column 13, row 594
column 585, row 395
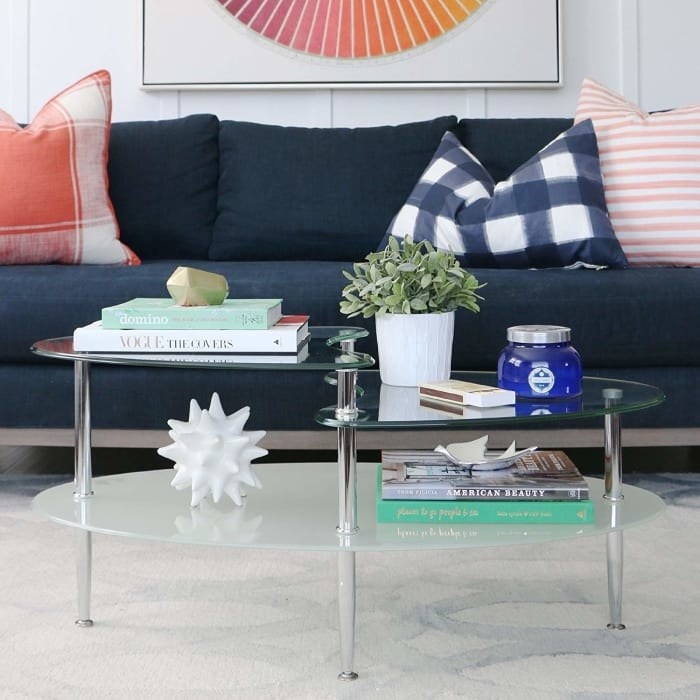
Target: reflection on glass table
column 383, row 407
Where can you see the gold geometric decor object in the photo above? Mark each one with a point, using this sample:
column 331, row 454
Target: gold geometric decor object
column 189, row 286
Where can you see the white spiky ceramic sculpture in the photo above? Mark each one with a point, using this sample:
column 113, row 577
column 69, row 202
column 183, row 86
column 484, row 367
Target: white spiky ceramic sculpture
column 212, row 452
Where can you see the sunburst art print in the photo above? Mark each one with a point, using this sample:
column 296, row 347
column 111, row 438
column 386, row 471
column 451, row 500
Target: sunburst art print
column 352, row 29
column 348, row 43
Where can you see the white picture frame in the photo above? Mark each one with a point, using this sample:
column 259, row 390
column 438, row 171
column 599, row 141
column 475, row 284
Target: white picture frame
column 199, row 44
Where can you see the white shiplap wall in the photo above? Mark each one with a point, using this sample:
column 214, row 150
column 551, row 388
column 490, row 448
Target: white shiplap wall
column 646, row 49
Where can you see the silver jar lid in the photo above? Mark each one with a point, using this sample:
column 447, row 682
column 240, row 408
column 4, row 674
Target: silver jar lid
column 538, row 335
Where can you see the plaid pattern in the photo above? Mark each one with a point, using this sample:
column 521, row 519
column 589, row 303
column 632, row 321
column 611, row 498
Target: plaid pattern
column 550, row 213
column 54, row 203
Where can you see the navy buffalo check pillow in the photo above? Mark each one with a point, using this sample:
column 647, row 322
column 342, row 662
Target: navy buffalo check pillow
column 551, row 212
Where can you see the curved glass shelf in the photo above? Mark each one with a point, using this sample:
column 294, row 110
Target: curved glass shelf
column 382, row 406
column 325, row 353
column 293, row 511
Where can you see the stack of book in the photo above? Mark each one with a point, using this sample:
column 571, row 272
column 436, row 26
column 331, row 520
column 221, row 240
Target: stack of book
column 247, row 330
column 423, row 486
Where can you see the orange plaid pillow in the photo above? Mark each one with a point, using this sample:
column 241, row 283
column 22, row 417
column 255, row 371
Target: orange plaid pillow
column 54, row 200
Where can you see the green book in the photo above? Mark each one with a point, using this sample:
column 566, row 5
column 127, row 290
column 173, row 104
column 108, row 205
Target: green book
column 463, row 511
column 163, row 313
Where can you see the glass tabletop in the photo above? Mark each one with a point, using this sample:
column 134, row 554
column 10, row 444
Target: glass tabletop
column 324, row 353
column 383, row 407
column 295, row 509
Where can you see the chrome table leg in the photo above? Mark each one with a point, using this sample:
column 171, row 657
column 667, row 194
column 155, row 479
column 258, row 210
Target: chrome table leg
column 346, row 607
column 347, row 452
column 82, row 457
column 613, row 494
column 615, row 560
column 84, row 571
column 347, row 515
column 82, row 490
column 613, row 447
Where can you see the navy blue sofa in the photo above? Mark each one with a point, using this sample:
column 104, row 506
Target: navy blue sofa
column 281, row 211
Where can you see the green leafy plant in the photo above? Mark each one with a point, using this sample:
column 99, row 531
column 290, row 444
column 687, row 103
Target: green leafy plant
column 408, row 278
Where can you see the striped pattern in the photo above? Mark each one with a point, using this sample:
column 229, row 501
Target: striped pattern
column 54, row 203
column 651, row 173
column 349, row 29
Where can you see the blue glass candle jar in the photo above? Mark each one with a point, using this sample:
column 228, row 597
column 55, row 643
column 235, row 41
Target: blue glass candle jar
column 539, row 362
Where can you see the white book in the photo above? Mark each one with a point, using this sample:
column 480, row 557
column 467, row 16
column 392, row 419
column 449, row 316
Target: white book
column 467, row 393
column 439, row 409
column 228, row 358
column 286, row 336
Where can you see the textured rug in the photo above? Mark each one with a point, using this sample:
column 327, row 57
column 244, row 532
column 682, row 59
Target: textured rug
column 177, row 621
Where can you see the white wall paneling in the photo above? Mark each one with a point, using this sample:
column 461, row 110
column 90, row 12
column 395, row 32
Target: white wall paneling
column 669, row 53
column 14, row 56
column 646, row 49
column 629, row 49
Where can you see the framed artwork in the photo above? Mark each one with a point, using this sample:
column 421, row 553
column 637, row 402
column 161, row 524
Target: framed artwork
column 350, row 43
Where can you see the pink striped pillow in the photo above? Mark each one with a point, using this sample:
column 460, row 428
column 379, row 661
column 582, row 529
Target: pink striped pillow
column 54, row 202
column 651, row 174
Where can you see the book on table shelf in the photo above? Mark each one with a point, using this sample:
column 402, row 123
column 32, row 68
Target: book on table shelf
column 440, row 409
column 481, row 511
column 436, row 532
column 286, row 336
column 542, row 475
column 151, row 313
column 231, row 357
column 459, row 392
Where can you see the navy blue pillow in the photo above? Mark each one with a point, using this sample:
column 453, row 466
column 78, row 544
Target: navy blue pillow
column 163, row 179
column 294, row 193
column 551, row 212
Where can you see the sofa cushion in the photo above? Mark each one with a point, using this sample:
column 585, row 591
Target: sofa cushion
column 550, row 213
column 54, row 204
column 163, row 179
column 292, row 193
column 651, row 171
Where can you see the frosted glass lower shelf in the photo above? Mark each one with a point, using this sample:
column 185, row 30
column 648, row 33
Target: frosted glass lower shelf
column 297, row 508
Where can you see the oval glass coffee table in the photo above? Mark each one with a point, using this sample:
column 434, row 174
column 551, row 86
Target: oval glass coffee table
column 294, row 509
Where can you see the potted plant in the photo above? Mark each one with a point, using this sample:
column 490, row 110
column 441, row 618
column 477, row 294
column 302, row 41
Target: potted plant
column 412, row 290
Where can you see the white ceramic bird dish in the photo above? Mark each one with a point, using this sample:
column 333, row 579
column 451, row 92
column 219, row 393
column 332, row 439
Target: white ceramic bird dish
column 473, row 456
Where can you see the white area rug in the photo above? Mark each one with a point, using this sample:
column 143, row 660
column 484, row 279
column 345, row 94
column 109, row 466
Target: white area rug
column 183, row 622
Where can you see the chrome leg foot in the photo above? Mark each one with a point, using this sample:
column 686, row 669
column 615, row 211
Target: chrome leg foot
column 619, row 626
column 84, row 566
column 615, row 566
column 346, row 609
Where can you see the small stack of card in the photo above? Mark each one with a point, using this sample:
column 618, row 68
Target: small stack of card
column 456, row 391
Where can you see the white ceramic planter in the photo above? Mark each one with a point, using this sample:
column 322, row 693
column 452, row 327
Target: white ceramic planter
column 414, row 348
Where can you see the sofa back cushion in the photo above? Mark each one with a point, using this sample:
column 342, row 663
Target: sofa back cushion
column 503, row 145
column 299, row 193
column 163, row 182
